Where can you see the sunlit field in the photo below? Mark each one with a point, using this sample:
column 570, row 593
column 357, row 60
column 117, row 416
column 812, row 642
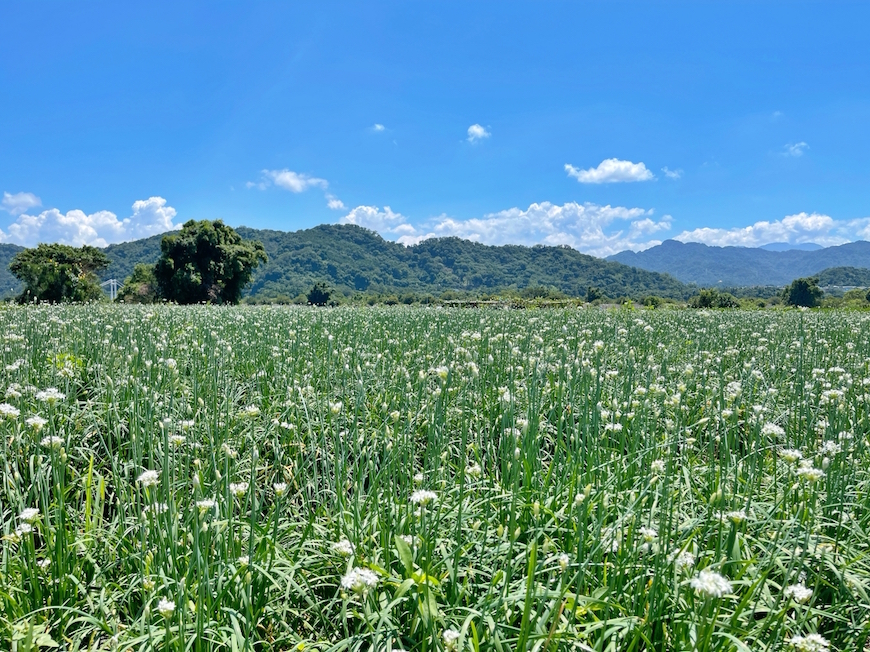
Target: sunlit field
column 426, row 479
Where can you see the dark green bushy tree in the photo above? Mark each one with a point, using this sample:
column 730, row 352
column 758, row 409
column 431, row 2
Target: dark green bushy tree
column 58, row 273
column 712, row 298
column 319, row 294
column 206, row 262
column 804, row 292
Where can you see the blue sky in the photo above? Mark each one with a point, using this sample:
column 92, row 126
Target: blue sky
column 603, row 125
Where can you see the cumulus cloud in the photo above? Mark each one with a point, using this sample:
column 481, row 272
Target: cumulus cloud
column 378, row 127
column 383, row 221
column 476, row 133
column 586, row 227
column 150, row 217
column 20, row 202
column 611, row 170
column 672, row 174
column 334, row 203
column 289, row 180
column 794, row 229
column 795, row 149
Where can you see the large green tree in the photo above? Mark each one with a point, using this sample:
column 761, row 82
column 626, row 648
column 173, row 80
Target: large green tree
column 206, row 262
column 58, row 273
column 804, row 292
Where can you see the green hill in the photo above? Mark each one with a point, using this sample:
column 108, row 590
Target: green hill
column 353, row 259
column 707, row 266
column 9, row 285
column 844, row 277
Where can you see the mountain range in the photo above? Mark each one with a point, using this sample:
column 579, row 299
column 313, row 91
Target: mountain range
column 707, row 266
column 353, row 259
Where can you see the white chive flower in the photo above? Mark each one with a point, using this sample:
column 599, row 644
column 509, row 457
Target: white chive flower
column 359, row 580
column 50, row 396
column 9, row 411
column 52, row 441
column 450, row 638
column 29, row 515
column 791, row 455
column 148, row 478
column 797, row 592
column 204, row 506
column 238, row 489
column 344, row 548
column 710, row 584
column 36, row 422
column 423, row 497
column 166, row 608
column 810, row 643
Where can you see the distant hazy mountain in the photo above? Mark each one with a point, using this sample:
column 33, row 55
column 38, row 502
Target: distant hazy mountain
column 785, row 246
column 9, row 285
column 692, row 262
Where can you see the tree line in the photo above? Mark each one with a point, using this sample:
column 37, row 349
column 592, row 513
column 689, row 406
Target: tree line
column 205, row 262
column 210, row 262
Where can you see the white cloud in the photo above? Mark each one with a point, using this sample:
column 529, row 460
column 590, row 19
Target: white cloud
column 371, row 217
column 293, row 181
column 334, row 203
column 75, row 227
column 20, row 202
column 794, row 229
column 586, row 227
column 611, row 170
column 476, row 133
column 378, row 127
column 796, row 149
column 672, row 174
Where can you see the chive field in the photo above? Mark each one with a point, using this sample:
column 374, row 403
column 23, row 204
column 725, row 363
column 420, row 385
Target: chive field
column 426, row 479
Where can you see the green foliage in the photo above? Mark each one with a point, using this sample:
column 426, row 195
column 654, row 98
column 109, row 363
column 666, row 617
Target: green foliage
column 712, row 298
column 207, row 262
column 58, row 273
column 803, row 292
column 140, row 286
column 318, row 295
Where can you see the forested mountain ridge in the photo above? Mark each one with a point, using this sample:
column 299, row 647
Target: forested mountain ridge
column 353, row 259
column 692, row 262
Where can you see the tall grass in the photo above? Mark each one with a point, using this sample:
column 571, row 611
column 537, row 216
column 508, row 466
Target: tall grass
column 421, row 479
